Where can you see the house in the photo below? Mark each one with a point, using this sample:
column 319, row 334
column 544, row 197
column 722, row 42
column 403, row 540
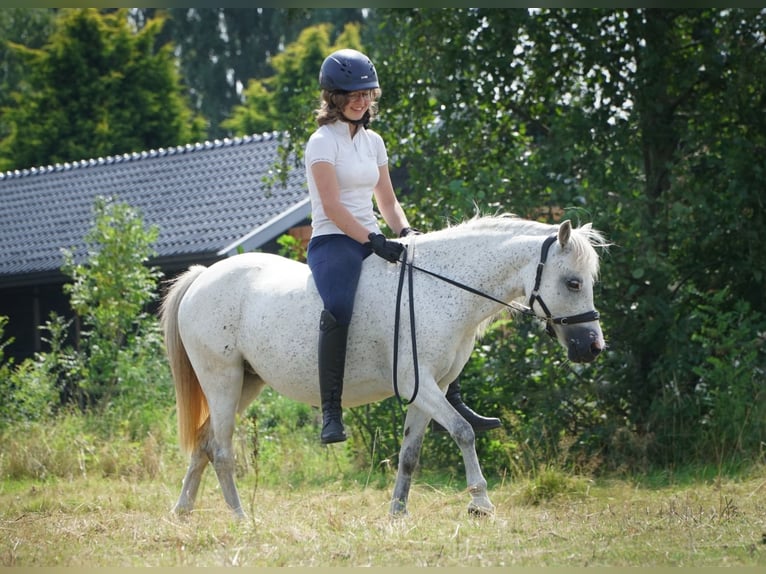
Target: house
column 209, row 200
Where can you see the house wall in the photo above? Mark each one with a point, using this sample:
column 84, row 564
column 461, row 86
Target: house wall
column 27, row 308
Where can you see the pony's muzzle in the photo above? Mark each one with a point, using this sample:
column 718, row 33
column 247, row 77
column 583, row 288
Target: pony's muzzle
column 584, row 344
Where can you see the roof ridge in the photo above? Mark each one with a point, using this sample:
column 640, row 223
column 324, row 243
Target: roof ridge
column 137, row 156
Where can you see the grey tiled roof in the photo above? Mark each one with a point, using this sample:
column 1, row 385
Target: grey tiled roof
column 207, row 198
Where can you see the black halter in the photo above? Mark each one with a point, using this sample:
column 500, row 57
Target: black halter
column 550, row 320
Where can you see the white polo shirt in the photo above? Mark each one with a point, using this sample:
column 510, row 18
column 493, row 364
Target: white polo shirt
column 356, row 166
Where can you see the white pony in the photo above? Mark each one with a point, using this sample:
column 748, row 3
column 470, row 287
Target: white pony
column 252, row 320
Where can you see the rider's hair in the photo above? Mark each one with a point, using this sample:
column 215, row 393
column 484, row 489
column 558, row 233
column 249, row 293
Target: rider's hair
column 331, row 106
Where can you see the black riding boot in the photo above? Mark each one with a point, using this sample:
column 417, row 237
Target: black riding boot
column 332, row 365
column 478, row 422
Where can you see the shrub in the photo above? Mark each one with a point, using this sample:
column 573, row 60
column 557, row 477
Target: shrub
column 28, row 391
column 110, row 292
column 713, row 405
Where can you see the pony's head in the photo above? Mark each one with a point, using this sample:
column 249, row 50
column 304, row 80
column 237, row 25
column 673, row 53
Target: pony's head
column 562, row 290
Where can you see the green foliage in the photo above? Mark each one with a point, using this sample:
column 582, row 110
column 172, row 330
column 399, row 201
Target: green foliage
column 28, row 26
column 549, row 483
column 5, row 366
column 221, row 50
column 277, row 441
column 291, row 247
column 281, row 101
column 117, row 376
column 285, row 101
column 29, row 391
column 110, row 290
column 110, row 293
column 644, row 121
column 96, row 88
column 712, row 404
column 76, row 445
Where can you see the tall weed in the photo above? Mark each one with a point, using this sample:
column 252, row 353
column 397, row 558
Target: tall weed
column 277, row 442
column 76, row 445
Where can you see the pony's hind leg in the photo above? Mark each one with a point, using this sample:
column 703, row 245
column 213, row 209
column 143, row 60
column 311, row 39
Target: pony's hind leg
column 414, row 431
column 215, row 445
column 251, row 388
column 223, row 408
column 199, row 459
column 222, row 384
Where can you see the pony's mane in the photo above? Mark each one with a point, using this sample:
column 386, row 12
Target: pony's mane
column 508, row 223
column 584, row 238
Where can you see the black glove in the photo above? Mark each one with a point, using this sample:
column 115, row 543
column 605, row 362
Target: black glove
column 388, row 250
column 408, row 231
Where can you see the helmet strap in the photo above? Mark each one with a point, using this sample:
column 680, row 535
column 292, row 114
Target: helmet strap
column 364, row 121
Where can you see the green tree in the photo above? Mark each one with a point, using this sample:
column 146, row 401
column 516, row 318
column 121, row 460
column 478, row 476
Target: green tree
column 30, row 27
column 220, row 50
column 96, row 88
column 285, row 100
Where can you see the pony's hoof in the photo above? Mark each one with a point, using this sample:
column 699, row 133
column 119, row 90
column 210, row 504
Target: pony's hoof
column 481, row 511
column 180, row 511
column 398, row 509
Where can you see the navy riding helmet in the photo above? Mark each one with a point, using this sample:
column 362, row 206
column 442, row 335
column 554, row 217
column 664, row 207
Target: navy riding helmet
column 347, row 70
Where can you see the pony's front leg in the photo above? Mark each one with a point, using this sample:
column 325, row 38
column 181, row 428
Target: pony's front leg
column 477, row 485
column 462, row 433
column 414, row 431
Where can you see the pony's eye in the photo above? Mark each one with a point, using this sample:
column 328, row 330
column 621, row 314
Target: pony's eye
column 574, row 284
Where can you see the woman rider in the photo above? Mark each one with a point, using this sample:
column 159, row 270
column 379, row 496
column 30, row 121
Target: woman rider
column 346, row 165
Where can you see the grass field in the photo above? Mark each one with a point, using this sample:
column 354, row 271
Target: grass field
column 95, row 521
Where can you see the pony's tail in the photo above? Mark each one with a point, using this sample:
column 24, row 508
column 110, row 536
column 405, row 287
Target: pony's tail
column 191, row 403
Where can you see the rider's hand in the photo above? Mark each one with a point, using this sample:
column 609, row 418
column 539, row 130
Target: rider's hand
column 388, row 250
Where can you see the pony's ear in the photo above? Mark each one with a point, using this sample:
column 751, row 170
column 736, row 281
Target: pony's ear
column 565, row 230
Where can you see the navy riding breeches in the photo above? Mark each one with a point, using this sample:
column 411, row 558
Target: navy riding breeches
column 336, row 263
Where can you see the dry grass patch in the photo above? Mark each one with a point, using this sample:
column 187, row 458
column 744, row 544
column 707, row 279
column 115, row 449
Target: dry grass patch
column 116, row 522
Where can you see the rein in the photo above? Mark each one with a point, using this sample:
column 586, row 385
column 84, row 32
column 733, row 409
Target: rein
column 405, row 266
column 528, row 309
